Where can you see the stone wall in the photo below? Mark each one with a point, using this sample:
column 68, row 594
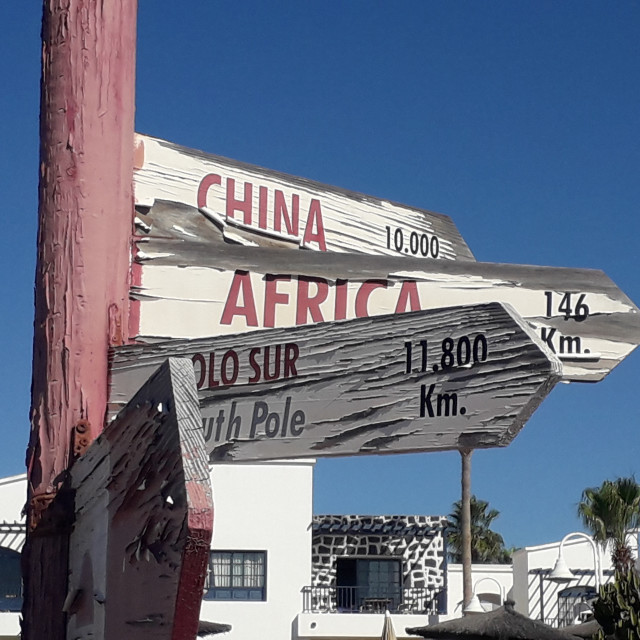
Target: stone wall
column 418, row 541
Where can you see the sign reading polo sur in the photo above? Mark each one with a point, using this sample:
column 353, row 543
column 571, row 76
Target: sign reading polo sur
column 192, row 287
column 259, row 207
column 423, row 381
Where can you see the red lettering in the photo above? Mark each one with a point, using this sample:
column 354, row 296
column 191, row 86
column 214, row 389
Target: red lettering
column 281, row 212
column 226, row 378
column 291, row 353
column 205, row 185
column 268, row 376
column 273, row 297
column 262, row 207
column 310, row 304
column 198, row 358
column 408, row 293
column 234, row 205
column 254, row 365
column 232, row 307
column 362, row 297
column 314, row 219
column 341, row 299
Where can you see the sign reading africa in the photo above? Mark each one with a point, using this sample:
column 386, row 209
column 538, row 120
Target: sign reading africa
column 425, row 381
column 190, row 289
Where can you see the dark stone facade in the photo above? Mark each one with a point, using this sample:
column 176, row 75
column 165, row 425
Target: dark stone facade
column 418, row 541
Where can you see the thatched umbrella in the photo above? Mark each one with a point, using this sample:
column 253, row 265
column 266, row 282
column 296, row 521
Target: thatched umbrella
column 502, row 624
column 584, row 629
column 211, row 628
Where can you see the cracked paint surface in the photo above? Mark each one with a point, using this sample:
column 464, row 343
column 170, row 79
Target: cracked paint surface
column 418, row 381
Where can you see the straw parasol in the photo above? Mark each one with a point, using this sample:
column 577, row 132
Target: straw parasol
column 503, row 624
column 211, row 628
column 584, row 629
column 388, row 632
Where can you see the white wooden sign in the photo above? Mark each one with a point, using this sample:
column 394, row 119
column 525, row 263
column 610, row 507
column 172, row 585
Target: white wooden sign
column 424, row 381
column 190, row 289
column 143, row 523
column 249, row 205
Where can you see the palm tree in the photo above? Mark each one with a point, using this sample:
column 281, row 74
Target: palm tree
column 609, row 511
column 487, row 546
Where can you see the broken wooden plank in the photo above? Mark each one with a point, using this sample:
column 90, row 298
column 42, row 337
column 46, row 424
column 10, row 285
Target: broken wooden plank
column 144, row 518
column 190, row 290
column 241, row 203
column 421, row 381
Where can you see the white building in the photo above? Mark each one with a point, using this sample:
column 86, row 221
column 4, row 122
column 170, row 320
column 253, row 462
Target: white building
column 278, row 572
column 262, row 580
column 492, row 585
column 13, row 492
column 540, row 596
column 262, row 517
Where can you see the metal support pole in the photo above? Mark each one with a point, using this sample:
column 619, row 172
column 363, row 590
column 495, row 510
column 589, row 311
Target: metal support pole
column 541, row 597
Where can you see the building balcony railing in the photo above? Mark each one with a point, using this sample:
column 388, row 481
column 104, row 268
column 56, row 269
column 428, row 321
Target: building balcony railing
column 414, row 600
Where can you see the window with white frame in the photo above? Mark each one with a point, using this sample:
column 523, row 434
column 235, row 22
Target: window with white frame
column 236, row 575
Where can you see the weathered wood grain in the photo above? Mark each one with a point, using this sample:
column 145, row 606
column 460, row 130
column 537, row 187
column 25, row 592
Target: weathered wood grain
column 85, row 220
column 198, row 289
column 260, row 207
column 144, row 518
column 346, row 388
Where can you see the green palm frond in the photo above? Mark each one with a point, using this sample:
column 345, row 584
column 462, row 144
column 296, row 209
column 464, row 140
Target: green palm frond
column 609, row 511
column 487, row 546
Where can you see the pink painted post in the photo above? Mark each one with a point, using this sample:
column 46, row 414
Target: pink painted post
column 82, row 274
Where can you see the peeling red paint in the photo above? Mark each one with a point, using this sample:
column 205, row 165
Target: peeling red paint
column 194, row 559
column 82, row 278
column 82, row 273
column 143, row 517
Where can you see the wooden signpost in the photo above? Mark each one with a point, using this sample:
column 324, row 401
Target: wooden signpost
column 222, row 248
column 81, row 305
column 250, row 205
column 423, row 381
column 191, row 215
column 143, row 518
column 191, row 288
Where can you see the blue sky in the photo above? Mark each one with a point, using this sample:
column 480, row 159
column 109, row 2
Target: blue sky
column 520, row 120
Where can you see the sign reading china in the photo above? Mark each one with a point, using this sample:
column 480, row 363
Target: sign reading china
column 191, row 288
column 250, row 205
column 423, row 381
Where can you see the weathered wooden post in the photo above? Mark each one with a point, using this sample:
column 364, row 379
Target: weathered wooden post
column 143, row 518
column 82, row 273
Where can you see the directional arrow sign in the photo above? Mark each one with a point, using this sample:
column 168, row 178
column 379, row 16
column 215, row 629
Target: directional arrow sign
column 463, row 376
column 250, row 205
column 143, row 517
column 198, row 289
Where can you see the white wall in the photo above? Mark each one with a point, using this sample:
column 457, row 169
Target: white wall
column 537, row 596
column 355, row 626
column 13, row 495
column 490, row 582
column 259, row 507
column 265, row 506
